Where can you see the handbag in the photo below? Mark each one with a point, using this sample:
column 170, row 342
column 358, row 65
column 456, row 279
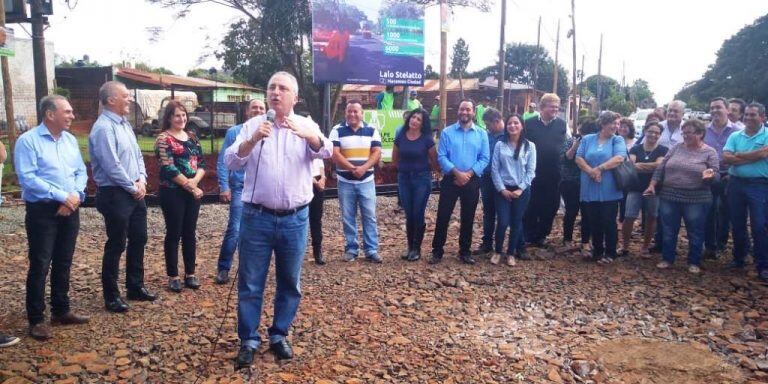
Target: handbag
column 625, row 175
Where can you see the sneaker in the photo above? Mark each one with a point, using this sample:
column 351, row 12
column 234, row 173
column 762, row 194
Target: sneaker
column 663, row 265
column 511, row 260
column 605, row 260
column 694, row 269
column 434, row 258
column 348, row 256
column 7, row 341
column 222, row 277
column 482, row 251
column 374, row 258
column 495, row 258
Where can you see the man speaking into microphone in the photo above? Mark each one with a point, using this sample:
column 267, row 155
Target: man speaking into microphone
column 276, row 151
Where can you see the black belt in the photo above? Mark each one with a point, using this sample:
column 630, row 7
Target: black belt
column 276, row 212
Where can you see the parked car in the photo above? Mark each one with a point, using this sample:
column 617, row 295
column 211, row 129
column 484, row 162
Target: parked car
column 639, row 117
column 21, row 126
column 149, row 107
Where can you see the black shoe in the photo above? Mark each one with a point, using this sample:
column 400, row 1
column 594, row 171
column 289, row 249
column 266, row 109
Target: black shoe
column 174, row 285
column 282, row 350
column 414, row 255
column 319, row 260
column 7, row 341
column 483, row 251
column 434, row 258
column 222, row 277
column 406, row 254
column 142, row 295
column 116, row 306
column 467, row 259
column 244, row 357
column 523, row 255
column 735, row 266
column 192, row 282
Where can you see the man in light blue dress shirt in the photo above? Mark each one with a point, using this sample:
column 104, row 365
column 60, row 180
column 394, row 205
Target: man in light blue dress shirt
column 231, row 191
column 119, row 172
column 52, row 176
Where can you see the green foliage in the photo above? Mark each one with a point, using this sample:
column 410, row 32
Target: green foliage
column 64, row 62
column 618, row 103
column 211, row 74
column 347, row 16
column 430, row 73
column 141, row 66
column 459, row 59
column 61, row 92
column 738, row 71
column 520, row 64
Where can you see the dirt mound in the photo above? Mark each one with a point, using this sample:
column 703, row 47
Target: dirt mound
column 632, row 360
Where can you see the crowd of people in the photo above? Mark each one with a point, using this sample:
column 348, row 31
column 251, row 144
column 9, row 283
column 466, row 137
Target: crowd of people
column 712, row 177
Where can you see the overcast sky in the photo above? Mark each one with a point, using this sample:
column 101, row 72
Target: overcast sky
column 666, row 42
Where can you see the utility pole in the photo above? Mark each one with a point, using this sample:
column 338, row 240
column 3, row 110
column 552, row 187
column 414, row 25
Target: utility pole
column 600, row 76
column 443, row 62
column 536, row 57
column 575, row 105
column 581, row 79
column 557, row 47
column 8, row 92
column 38, row 52
column 502, row 58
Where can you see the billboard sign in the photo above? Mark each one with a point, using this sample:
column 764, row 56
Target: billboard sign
column 376, row 42
column 387, row 122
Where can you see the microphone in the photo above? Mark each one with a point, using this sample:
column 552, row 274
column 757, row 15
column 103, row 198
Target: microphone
column 271, row 119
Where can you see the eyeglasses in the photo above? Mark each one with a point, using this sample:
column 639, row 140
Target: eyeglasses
column 652, row 132
column 689, row 133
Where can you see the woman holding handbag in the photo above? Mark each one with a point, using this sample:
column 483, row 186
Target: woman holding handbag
column 597, row 155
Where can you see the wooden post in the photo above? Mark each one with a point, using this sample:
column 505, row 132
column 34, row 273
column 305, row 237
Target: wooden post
column 557, row 48
column 8, row 93
column 574, row 92
column 502, row 58
column 536, row 59
column 600, row 76
column 38, row 52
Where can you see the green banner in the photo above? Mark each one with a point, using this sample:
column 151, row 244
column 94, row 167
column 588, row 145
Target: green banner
column 387, row 122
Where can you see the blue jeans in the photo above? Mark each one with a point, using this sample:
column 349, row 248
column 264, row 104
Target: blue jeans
column 264, row 233
column 232, row 235
column 695, row 216
column 350, row 196
column 749, row 197
column 488, row 195
column 510, row 214
column 414, row 189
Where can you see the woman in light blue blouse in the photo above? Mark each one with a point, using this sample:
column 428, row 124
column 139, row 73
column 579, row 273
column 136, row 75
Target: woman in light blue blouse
column 597, row 155
column 513, row 167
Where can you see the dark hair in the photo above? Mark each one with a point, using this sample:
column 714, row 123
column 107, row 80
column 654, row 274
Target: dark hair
column 426, row 126
column 629, row 123
column 725, row 102
column 588, row 126
column 48, row 103
column 698, row 126
column 467, row 101
column 491, row 114
column 606, row 118
column 742, row 104
column 653, row 123
column 653, row 116
column 521, row 140
column 170, row 110
column 760, row 107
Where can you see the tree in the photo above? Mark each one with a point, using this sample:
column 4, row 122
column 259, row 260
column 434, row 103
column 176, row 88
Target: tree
column 640, row 94
column 430, row 73
column 64, row 62
column 519, row 60
column 459, row 62
column 211, row 74
column 738, row 71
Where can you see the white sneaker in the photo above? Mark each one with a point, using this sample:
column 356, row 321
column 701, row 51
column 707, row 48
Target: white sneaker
column 495, row 258
column 694, row 269
column 663, row 265
column 511, row 261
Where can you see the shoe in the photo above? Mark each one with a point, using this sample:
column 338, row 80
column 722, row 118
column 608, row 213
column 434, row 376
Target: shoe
column 374, row 258
column 434, row 258
column 467, row 259
column 116, row 306
column 522, row 255
column 319, row 260
column 511, row 260
column 191, row 282
column 663, row 265
column 623, row 252
column 763, row 275
column 495, row 258
column 694, row 269
column 709, row 254
column 141, row 295
column 414, row 255
column 349, row 257
column 7, row 341
column 174, row 285
column 244, row 357
column 40, row 331
column 605, row 260
column 282, row 350
column 483, row 251
column 222, row 277
column 645, row 253
column 418, row 238
column 69, row 318
column 409, row 237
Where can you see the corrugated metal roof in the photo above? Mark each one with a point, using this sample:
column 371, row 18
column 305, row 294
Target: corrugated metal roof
column 166, row 81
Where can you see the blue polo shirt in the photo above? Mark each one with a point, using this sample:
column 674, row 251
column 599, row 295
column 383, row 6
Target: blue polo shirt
column 741, row 142
column 463, row 149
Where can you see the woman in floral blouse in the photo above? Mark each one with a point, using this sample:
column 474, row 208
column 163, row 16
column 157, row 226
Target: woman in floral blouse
column 182, row 167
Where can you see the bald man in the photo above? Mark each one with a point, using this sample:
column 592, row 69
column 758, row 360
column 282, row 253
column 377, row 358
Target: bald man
column 230, row 191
